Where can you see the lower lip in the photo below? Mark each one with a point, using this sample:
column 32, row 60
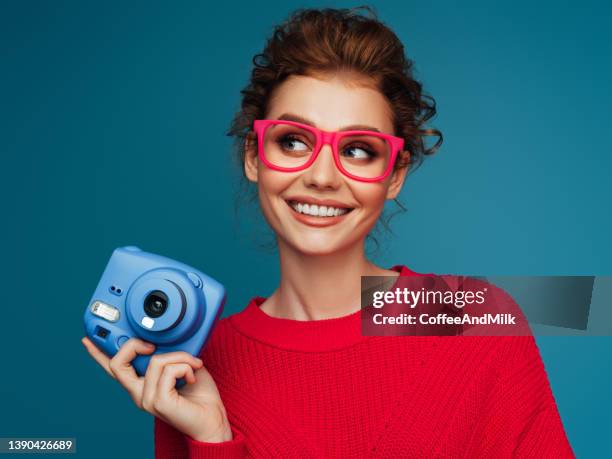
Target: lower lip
column 316, row 221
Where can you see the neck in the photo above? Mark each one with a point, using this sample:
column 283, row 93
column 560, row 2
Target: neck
column 316, row 287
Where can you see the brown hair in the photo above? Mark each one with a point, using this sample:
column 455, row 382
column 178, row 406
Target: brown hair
column 320, row 41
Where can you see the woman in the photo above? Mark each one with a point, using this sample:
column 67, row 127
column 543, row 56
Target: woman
column 330, row 123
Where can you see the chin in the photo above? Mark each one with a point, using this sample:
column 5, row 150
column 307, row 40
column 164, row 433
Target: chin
column 319, row 246
column 316, row 251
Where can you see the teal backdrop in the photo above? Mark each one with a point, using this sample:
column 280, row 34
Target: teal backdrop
column 112, row 127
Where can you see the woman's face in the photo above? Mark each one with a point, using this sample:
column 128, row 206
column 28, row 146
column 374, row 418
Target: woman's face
column 332, row 104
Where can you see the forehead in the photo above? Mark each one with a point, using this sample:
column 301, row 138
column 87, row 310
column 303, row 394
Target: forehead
column 332, row 102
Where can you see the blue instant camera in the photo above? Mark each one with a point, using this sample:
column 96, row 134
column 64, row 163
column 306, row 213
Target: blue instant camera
column 155, row 299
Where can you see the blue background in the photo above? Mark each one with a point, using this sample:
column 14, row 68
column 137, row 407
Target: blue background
column 112, row 133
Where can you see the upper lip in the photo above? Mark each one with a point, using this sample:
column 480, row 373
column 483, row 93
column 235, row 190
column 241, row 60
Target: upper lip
column 318, row 202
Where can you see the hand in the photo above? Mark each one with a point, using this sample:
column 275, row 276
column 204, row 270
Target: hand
column 195, row 410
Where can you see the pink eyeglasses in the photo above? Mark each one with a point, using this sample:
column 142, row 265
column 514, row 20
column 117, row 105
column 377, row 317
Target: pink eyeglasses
column 289, row 146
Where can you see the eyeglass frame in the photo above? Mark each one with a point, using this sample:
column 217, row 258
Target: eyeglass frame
column 331, row 138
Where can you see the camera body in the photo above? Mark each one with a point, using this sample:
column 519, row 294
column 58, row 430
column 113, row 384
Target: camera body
column 156, row 299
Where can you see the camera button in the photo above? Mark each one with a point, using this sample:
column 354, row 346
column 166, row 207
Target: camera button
column 121, row 341
column 195, row 279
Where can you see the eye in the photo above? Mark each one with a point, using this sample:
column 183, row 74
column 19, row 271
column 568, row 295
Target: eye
column 293, row 143
column 359, row 152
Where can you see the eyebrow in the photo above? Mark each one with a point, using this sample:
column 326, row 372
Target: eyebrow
column 300, row 119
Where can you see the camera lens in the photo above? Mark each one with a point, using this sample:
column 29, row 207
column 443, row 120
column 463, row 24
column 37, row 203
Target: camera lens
column 155, row 304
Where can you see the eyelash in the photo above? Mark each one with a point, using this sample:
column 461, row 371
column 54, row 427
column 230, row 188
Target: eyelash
column 291, row 138
column 371, row 153
column 282, row 141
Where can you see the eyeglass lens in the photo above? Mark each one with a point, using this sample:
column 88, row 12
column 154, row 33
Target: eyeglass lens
column 362, row 155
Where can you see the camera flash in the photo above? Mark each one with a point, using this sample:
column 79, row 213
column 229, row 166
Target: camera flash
column 147, row 322
column 105, row 311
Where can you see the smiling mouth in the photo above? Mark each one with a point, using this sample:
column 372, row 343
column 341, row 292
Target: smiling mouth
column 314, row 210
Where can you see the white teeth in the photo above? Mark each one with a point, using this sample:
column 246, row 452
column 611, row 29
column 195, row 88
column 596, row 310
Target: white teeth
column 318, row 211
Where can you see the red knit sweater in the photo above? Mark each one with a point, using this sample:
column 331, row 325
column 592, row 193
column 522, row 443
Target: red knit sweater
column 321, row 389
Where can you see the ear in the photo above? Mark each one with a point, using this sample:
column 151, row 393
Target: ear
column 251, row 161
column 398, row 176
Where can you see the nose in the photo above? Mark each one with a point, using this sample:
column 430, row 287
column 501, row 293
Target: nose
column 323, row 173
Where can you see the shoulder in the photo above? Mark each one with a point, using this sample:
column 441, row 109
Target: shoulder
column 476, row 297
column 221, row 342
column 480, row 362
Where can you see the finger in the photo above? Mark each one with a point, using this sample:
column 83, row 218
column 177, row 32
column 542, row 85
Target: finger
column 155, row 369
column 190, row 377
column 166, row 387
column 99, row 356
column 121, row 365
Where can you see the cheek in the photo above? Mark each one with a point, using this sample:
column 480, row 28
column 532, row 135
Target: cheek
column 371, row 197
column 271, row 185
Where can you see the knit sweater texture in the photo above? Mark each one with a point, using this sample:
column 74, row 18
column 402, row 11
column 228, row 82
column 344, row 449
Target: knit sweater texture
column 319, row 389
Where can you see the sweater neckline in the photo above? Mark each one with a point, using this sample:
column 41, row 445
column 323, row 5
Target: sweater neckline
column 302, row 335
